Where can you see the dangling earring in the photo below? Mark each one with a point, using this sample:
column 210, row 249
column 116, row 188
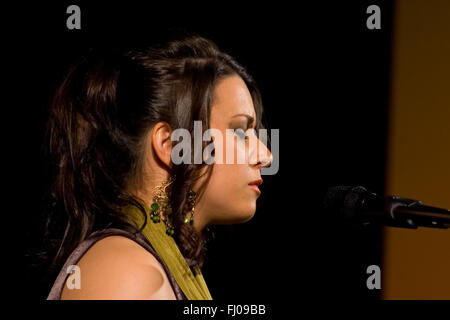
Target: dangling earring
column 191, row 198
column 161, row 204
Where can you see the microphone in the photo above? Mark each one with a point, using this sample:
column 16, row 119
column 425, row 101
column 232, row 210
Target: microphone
column 360, row 205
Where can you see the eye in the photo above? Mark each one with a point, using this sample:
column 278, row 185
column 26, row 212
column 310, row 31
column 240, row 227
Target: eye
column 241, row 134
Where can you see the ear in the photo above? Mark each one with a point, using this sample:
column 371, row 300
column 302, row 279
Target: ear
column 162, row 143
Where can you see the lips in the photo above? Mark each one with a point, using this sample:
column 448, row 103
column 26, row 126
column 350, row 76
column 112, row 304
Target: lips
column 254, row 185
column 256, row 182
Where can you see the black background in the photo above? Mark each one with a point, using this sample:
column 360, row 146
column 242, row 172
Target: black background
column 324, row 78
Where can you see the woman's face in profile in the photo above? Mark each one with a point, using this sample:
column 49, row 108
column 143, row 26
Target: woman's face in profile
column 228, row 197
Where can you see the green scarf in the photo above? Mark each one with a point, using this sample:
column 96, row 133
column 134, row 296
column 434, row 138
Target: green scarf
column 193, row 286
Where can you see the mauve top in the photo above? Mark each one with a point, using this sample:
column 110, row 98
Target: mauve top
column 83, row 247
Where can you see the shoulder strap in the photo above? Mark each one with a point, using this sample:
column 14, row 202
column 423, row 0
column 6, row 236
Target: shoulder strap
column 126, row 231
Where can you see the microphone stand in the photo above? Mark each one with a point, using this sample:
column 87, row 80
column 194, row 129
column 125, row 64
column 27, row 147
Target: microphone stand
column 409, row 213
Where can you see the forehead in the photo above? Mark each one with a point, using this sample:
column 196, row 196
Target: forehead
column 231, row 96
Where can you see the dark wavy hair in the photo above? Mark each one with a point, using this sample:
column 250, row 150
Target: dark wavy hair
column 97, row 121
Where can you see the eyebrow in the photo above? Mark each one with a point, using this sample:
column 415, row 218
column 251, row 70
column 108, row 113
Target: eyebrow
column 250, row 119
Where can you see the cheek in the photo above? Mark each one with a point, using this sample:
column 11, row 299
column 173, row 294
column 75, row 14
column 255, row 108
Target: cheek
column 240, row 148
column 231, row 149
column 225, row 179
column 228, row 195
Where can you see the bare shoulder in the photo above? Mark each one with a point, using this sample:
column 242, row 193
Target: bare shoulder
column 119, row 268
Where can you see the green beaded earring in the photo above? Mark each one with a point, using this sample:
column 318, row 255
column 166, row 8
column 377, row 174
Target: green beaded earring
column 160, row 209
column 191, row 207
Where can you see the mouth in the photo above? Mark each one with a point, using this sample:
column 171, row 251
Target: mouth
column 254, row 185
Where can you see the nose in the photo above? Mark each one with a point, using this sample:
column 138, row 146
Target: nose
column 265, row 162
column 264, row 157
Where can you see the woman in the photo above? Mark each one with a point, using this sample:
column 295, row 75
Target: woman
column 136, row 221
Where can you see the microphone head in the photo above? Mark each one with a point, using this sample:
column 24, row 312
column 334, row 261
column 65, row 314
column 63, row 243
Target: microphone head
column 344, row 200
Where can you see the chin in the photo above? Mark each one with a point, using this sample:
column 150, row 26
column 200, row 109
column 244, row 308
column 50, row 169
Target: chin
column 233, row 216
column 247, row 216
